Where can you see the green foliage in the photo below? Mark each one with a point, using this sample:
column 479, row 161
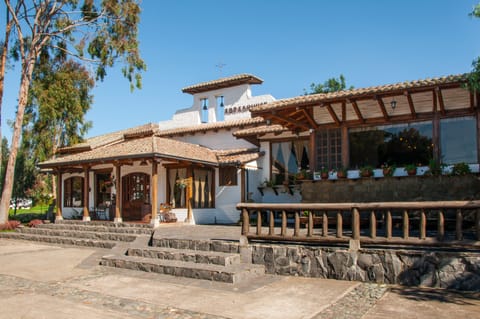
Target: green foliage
column 330, row 85
column 461, row 169
column 473, row 78
column 366, row 171
column 435, row 168
column 28, row 217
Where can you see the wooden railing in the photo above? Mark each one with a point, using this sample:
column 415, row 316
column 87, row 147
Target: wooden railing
column 439, row 223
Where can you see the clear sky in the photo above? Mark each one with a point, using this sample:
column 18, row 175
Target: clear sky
column 289, row 44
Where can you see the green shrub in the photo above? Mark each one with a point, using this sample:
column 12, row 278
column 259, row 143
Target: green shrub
column 461, row 169
column 26, row 218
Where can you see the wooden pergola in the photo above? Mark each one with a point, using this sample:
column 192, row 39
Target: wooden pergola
column 406, row 102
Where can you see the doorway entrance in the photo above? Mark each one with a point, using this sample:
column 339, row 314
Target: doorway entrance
column 135, row 196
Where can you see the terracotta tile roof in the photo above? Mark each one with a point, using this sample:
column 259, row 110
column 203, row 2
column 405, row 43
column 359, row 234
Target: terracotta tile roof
column 105, row 139
column 356, row 93
column 151, row 146
column 264, row 129
column 238, row 156
column 222, row 83
column 201, row 128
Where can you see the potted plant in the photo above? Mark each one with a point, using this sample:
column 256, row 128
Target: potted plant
column 411, row 169
column 388, row 170
column 341, row 172
column 461, row 169
column 435, row 167
column 324, row 173
column 366, row 171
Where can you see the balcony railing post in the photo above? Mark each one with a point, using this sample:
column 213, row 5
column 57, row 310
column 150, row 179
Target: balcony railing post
column 245, row 222
column 373, row 225
column 423, row 224
column 259, row 222
column 406, row 224
column 355, row 223
column 296, row 230
column 441, row 225
column 458, row 225
column 310, row 224
column 388, row 225
column 271, row 229
column 325, row 224
column 284, row 223
column 339, row 224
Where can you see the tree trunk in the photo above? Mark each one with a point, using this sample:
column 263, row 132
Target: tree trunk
column 27, row 71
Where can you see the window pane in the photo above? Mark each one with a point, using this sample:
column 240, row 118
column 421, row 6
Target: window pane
column 395, row 144
column 288, row 158
column 458, row 140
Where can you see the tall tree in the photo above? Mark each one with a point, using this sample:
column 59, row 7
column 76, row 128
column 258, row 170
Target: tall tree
column 5, row 153
column 104, row 30
column 473, row 80
column 330, row 85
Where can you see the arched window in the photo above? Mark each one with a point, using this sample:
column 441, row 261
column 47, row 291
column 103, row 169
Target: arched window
column 73, row 192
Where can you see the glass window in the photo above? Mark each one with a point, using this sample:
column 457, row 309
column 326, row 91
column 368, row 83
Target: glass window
column 73, row 192
column 458, row 140
column 288, row 158
column 203, row 187
column 329, row 149
column 228, row 176
column 394, row 144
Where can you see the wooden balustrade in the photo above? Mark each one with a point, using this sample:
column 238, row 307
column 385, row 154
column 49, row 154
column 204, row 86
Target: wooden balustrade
column 417, row 223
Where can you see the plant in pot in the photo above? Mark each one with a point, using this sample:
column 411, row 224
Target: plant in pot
column 341, row 172
column 366, row 171
column 324, row 173
column 388, row 170
column 461, row 169
column 411, row 169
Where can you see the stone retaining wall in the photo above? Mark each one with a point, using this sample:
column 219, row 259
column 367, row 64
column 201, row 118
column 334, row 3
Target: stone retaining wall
column 406, row 267
column 387, row 189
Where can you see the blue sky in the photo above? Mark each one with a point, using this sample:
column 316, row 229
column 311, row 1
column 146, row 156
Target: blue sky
column 289, row 44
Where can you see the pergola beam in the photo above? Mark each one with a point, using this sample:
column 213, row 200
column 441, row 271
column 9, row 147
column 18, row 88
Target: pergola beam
column 333, row 114
column 357, row 111
column 440, row 100
column 290, row 121
column 382, row 107
column 310, row 119
column 410, row 104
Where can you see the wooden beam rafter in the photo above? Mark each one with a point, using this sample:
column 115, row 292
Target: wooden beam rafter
column 357, row 111
column 382, row 107
column 410, row 104
column 440, row 100
column 310, row 118
column 290, row 121
column 333, row 114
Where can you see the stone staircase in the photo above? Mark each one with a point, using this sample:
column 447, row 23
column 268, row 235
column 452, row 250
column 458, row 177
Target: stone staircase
column 79, row 233
column 200, row 259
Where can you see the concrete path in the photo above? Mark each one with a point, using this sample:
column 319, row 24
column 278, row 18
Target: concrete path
column 47, row 281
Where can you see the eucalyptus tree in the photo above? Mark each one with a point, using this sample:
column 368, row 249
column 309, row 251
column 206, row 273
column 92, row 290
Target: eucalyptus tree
column 473, row 80
column 98, row 33
column 330, row 85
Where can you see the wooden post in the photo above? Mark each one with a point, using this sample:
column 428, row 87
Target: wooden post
column 189, row 195
column 345, row 145
column 245, row 222
column 355, row 223
column 373, row 225
column 284, row 223
column 296, row 230
column 388, row 225
column 339, row 224
column 325, row 224
column 458, row 225
column 59, row 202
column 259, row 222
column 423, row 224
column 118, row 195
column 477, row 223
column 154, row 221
column 243, row 173
column 86, row 193
column 406, row 224
column 310, row 224
column 271, row 229
column 441, row 225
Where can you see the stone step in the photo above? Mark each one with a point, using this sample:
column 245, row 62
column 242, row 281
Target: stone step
column 195, row 256
column 98, row 228
column 104, row 223
column 196, row 244
column 78, row 234
column 59, row 240
column 230, row 274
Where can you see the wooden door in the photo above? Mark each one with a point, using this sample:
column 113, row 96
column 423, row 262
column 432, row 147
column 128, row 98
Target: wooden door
column 135, row 196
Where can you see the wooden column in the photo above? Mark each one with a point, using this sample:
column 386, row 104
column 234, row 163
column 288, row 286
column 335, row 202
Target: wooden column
column 313, row 152
column 154, row 221
column 118, row 195
column 243, row 172
column 86, row 193
column 259, row 222
column 271, row 228
column 355, row 224
column 189, row 219
column 373, row 225
column 284, row 223
column 345, row 147
column 59, row 202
